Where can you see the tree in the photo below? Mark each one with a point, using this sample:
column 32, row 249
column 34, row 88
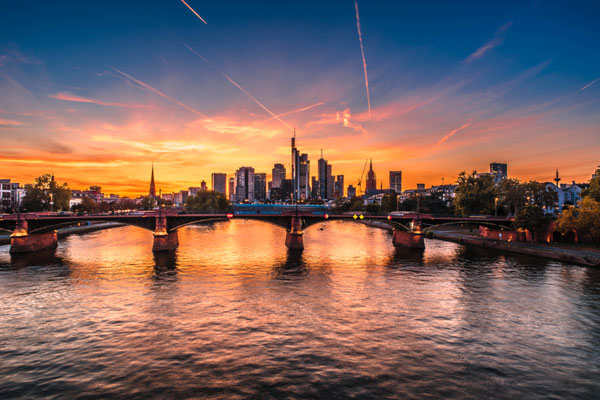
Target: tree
column 540, row 195
column 357, row 204
column 207, row 200
column 567, row 220
column 474, row 194
column 44, row 191
column 588, row 218
column 511, row 195
column 126, row 204
column 87, row 204
column 148, row 203
column 533, row 218
column 594, row 190
column 389, row 203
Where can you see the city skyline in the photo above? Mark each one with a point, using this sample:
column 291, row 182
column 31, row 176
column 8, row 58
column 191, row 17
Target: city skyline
column 98, row 110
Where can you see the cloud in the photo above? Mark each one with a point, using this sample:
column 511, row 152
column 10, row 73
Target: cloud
column 70, row 97
column 497, row 40
column 8, row 122
column 590, row 84
column 452, row 133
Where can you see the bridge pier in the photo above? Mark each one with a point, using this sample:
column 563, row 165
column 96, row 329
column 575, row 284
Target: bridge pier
column 412, row 240
column 165, row 241
column 293, row 238
column 21, row 241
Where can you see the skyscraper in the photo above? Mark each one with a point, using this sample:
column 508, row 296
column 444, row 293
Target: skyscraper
column 219, row 182
column 324, row 181
column 371, row 181
column 351, row 191
column 339, row 186
column 279, row 174
column 260, row 186
column 152, row 191
column 396, row 181
column 244, row 184
column 232, row 189
column 300, row 173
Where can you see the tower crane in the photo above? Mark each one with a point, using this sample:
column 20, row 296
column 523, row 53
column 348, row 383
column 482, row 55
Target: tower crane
column 361, row 178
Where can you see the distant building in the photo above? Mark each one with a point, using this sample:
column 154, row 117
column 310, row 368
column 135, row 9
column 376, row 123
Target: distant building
column 278, row 174
column 420, row 186
column 339, row 186
column 94, row 193
column 499, row 171
column 203, row 186
column 314, row 188
column 324, row 172
column 219, row 182
column 286, row 190
column 11, row 194
column 244, row 185
column 260, row 186
column 396, row 181
column 192, row 191
column 351, row 191
column 232, row 189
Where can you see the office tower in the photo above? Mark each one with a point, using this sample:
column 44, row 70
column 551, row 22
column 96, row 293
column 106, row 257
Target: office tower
column 244, row 185
column 351, row 191
column 278, row 174
column 219, row 182
column 260, row 186
column 396, row 181
column 232, row 189
column 499, row 171
column 339, row 186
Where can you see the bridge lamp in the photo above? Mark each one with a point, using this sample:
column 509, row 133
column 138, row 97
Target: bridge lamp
column 326, row 216
column 354, row 216
column 389, row 217
column 229, row 215
column 361, row 216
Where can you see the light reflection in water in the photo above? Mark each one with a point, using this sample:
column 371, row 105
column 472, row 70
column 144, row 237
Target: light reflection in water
column 231, row 313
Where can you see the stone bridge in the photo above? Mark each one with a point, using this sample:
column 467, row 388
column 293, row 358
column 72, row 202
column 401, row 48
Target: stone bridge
column 37, row 231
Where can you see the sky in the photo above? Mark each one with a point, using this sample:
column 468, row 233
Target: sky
column 95, row 91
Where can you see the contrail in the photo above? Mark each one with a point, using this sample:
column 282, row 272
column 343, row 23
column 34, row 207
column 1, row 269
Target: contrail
column 362, row 51
column 188, row 6
column 590, row 84
column 238, row 86
column 298, row 110
column 448, row 136
column 145, row 85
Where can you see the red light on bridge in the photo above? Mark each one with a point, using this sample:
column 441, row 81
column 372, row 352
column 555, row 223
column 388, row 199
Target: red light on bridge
column 389, row 217
column 326, row 216
column 229, row 215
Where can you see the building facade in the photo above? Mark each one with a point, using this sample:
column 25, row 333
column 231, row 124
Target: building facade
column 244, row 185
column 278, row 174
column 219, row 182
column 260, row 186
column 396, row 181
column 371, row 179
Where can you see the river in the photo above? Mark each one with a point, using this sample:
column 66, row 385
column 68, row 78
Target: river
column 232, row 314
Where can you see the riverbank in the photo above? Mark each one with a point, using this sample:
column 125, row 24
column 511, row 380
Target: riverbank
column 61, row 233
column 587, row 257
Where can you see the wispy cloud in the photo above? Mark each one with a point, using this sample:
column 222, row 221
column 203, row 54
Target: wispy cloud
column 9, row 122
column 497, row 40
column 452, row 133
column 188, row 6
column 69, row 97
column 362, row 52
column 590, row 84
column 146, row 86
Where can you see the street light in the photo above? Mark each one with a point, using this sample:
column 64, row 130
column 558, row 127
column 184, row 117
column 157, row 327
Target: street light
column 496, row 207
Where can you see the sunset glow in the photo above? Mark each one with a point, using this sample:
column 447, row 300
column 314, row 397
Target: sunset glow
column 100, row 109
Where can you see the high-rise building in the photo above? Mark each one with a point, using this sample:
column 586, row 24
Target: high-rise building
column 322, row 164
column 232, row 189
column 152, row 191
column 219, row 182
column 351, row 191
column 396, row 181
column 278, row 174
column 203, row 185
column 260, row 186
column 304, row 177
column 499, row 171
column 244, row 185
column 300, row 172
column 339, row 186
column 371, row 181
column 314, row 187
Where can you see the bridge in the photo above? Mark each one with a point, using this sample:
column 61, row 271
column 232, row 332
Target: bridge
column 36, row 231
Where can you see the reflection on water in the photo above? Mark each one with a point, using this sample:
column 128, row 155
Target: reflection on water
column 232, row 314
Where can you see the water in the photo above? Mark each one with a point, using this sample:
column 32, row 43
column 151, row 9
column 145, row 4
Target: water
column 232, row 314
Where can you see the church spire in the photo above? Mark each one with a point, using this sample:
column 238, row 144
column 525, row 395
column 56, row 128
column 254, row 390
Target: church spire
column 152, row 191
